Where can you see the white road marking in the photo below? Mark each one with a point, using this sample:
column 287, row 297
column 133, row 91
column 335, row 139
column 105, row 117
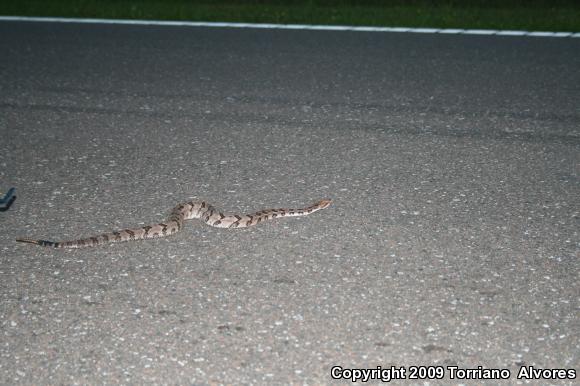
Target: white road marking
column 296, row 26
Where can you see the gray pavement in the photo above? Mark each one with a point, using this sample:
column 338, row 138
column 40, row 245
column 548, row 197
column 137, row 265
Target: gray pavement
column 453, row 239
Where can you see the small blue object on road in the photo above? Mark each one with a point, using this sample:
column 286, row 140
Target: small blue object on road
column 7, row 200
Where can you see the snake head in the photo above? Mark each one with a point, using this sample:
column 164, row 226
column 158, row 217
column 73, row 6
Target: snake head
column 324, row 203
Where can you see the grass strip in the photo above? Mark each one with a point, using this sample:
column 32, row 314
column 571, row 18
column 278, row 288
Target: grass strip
column 537, row 15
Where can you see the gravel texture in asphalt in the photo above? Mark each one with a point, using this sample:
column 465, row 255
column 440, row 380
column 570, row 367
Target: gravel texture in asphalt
column 453, row 238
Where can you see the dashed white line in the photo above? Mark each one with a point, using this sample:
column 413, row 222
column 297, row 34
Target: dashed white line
column 296, row 26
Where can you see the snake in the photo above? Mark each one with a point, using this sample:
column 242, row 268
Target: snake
column 189, row 210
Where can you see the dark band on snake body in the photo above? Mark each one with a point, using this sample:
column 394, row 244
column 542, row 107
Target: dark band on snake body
column 147, row 229
column 163, row 228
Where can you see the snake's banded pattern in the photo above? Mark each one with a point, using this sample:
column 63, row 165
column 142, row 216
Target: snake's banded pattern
column 190, row 210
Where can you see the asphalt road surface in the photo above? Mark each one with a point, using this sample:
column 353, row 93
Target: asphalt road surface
column 453, row 163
